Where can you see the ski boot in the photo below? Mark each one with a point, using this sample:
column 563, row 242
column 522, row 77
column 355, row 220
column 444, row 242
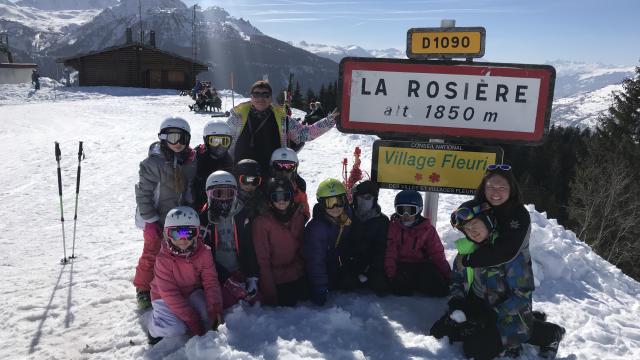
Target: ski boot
column 550, row 350
column 513, row 352
column 153, row 340
column 144, row 299
column 539, row 315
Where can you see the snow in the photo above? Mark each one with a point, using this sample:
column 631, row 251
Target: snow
column 49, row 20
column 87, row 309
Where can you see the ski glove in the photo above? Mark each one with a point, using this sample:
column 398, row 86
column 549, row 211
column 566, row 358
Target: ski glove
column 152, row 230
column 319, row 296
column 252, row 285
column 456, row 303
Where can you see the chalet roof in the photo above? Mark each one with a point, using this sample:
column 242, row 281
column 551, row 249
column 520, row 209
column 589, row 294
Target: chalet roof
column 133, row 44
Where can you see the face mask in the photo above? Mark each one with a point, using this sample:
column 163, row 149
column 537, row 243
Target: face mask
column 217, row 151
column 364, row 205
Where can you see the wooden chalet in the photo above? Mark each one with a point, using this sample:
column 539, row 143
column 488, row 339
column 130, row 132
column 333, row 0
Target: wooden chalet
column 135, row 65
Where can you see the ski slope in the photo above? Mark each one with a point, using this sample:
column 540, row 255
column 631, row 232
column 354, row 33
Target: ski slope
column 87, row 309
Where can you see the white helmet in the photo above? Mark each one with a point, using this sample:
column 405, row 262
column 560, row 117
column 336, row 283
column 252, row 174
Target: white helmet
column 175, row 122
column 220, row 177
column 284, row 153
column 214, row 127
column 182, row 216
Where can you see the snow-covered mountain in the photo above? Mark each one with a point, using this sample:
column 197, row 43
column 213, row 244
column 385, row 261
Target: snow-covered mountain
column 336, row 53
column 67, row 4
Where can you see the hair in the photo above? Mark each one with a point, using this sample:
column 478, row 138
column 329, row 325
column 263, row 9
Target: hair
column 261, row 84
column 515, row 198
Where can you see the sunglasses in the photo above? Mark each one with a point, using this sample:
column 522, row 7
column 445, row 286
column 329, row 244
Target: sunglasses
column 333, row 201
column 219, row 140
column 464, row 214
column 503, row 167
column 221, row 193
column 250, row 180
column 260, row 94
column 284, row 165
column 407, row 209
column 278, row 196
column 173, row 138
column 181, row 232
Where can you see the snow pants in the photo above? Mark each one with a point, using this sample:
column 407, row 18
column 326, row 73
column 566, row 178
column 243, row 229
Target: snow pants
column 290, row 293
column 147, row 261
column 419, row 277
column 164, row 323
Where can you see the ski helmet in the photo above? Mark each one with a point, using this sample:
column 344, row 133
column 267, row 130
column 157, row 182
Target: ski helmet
column 222, row 190
column 408, row 197
column 330, row 187
column 364, row 187
column 248, row 167
column 221, row 178
column 174, row 122
column 216, row 128
column 284, row 154
column 181, row 216
column 473, row 209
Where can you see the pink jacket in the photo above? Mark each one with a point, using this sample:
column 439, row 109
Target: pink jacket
column 176, row 277
column 279, row 252
column 418, row 243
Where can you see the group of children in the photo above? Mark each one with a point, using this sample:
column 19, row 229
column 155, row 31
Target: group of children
column 217, row 233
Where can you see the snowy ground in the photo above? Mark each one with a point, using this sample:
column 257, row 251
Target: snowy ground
column 87, row 309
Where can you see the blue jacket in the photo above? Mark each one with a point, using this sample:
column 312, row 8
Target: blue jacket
column 324, row 248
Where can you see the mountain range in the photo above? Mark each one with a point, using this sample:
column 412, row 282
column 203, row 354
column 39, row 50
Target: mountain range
column 43, row 30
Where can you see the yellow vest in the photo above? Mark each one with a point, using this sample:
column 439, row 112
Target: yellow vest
column 279, row 112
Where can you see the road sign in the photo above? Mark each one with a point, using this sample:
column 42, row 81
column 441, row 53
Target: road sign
column 447, row 42
column 445, row 99
column 434, row 167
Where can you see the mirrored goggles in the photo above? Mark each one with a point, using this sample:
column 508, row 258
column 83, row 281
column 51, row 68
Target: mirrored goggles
column 462, row 215
column 221, row 193
column 407, row 209
column 182, row 232
column 333, row 201
column 277, row 196
column 261, row 94
column 250, row 180
column 284, row 165
column 181, row 137
column 503, row 167
column 219, row 140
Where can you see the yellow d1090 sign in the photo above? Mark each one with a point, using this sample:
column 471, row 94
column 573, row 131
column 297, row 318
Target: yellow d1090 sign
column 445, row 168
column 445, row 42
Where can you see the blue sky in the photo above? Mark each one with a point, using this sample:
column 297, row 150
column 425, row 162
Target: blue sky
column 517, row 31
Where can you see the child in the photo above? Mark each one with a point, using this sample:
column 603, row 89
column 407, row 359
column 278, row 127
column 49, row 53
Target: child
column 211, row 156
column 325, row 237
column 165, row 176
column 278, row 236
column 414, row 259
column 366, row 250
column 284, row 163
column 228, row 233
column 250, row 180
column 493, row 303
column 185, row 292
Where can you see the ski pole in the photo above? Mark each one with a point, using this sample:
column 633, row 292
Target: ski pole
column 75, row 215
column 64, row 260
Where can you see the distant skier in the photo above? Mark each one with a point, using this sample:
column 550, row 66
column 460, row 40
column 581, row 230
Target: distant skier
column 35, row 79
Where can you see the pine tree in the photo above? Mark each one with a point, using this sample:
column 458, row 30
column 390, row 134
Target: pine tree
column 296, row 98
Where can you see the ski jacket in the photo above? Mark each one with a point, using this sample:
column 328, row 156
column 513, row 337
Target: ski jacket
column 156, row 190
column 288, row 130
column 279, row 251
column 325, row 247
column 243, row 242
column 418, row 243
column 176, row 277
column 368, row 244
column 205, row 166
column 514, row 229
column 300, row 195
column 506, row 289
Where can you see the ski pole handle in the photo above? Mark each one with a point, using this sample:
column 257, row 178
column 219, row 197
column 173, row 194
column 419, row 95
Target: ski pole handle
column 80, row 151
column 58, row 153
column 80, row 154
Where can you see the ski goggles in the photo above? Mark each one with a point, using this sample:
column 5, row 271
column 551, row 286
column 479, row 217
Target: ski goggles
column 219, row 140
column 261, row 94
column 333, row 201
column 494, row 167
column 182, row 232
column 464, row 214
column 407, row 209
column 277, row 196
column 177, row 137
column 284, row 165
column 250, row 180
column 221, row 193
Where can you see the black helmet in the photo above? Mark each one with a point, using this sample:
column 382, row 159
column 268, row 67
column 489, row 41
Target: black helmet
column 366, row 187
column 247, row 167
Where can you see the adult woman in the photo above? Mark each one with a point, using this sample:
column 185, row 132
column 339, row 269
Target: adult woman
column 277, row 236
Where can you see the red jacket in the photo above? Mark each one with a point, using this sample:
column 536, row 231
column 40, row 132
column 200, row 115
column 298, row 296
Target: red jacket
column 418, row 243
column 176, row 277
column 279, row 251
